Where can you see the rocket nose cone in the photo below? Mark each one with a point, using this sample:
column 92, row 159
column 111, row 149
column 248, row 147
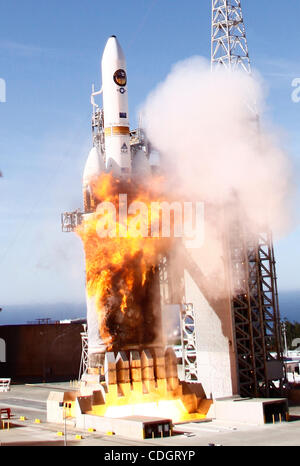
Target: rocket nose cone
column 113, row 50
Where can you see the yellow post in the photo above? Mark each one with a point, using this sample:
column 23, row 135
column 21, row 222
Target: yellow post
column 273, row 417
column 5, row 423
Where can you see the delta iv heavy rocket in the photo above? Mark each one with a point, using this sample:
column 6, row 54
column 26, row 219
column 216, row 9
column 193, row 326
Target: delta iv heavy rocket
column 128, row 369
column 115, row 158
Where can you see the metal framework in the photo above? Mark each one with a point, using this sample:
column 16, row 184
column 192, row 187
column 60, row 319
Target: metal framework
column 70, row 220
column 188, row 341
column 255, row 309
column 84, row 362
column 228, row 39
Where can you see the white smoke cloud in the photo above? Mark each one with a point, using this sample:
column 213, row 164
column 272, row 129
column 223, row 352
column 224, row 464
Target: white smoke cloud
column 212, row 145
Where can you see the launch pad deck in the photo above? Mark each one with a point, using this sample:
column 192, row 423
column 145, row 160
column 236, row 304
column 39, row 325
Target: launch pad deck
column 29, row 401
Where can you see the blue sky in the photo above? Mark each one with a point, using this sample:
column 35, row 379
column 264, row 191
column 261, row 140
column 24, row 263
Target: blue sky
column 50, row 54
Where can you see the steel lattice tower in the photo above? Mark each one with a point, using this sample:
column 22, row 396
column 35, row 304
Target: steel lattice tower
column 84, row 362
column 229, row 43
column 252, row 273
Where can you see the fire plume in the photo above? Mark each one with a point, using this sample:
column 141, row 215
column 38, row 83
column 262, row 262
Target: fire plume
column 122, row 260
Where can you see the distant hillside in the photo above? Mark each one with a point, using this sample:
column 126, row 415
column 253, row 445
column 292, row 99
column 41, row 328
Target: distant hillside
column 23, row 314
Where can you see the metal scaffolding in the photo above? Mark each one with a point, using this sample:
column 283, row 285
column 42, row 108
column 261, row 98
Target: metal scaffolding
column 228, row 39
column 188, row 341
column 252, row 275
column 84, row 362
column 71, row 220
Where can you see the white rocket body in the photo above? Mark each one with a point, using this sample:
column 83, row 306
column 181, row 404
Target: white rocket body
column 118, row 161
column 115, row 107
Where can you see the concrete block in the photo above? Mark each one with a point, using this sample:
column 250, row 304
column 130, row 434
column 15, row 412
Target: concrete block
column 84, row 404
column 159, row 363
column 171, row 363
column 147, row 365
column 98, row 396
column 54, row 412
column 122, row 367
column 135, row 366
column 110, row 370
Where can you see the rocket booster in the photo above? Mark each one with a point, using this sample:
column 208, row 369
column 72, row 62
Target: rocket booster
column 115, row 107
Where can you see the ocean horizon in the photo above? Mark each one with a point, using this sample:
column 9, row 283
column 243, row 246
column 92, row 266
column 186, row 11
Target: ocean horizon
column 289, row 306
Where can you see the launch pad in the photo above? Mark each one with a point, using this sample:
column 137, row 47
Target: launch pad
column 137, row 386
column 28, row 403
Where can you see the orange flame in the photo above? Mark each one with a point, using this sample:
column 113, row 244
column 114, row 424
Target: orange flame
column 121, row 261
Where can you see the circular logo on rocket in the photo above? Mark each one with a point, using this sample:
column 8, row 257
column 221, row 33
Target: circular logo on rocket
column 120, row 77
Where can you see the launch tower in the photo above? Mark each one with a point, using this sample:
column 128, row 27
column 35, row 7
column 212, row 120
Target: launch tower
column 255, row 310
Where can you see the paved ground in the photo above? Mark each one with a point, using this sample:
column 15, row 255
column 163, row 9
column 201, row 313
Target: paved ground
column 30, row 401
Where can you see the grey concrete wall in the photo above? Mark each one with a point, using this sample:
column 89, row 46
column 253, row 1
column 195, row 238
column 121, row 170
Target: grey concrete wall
column 206, row 286
column 247, row 412
column 213, row 358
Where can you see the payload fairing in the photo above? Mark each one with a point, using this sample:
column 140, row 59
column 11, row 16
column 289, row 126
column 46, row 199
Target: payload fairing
column 115, row 105
column 116, row 122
